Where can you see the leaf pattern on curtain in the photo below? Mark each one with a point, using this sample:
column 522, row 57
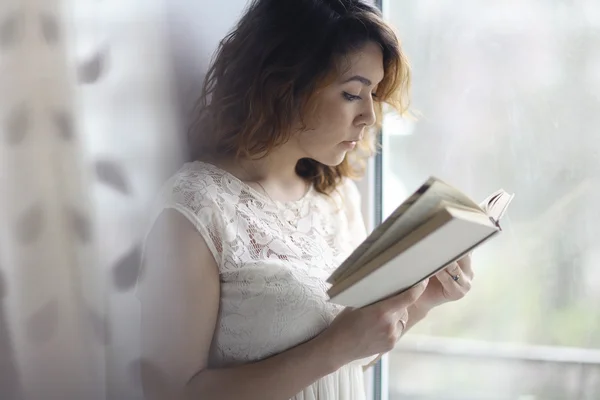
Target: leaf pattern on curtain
column 87, row 135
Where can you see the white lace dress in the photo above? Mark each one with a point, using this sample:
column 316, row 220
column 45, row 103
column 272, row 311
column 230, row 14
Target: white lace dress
column 274, row 259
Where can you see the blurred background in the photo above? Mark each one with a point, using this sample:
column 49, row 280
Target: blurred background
column 508, row 96
column 95, row 98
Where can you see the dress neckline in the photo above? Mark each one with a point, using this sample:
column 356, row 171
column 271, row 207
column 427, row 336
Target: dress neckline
column 287, row 204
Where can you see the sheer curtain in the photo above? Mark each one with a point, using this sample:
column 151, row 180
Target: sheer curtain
column 89, row 128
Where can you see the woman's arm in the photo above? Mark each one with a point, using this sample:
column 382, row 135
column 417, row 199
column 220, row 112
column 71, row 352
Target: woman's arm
column 278, row 378
column 415, row 315
column 179, row 295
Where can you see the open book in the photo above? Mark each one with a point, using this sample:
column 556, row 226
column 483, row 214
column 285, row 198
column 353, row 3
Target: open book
column 434, row 227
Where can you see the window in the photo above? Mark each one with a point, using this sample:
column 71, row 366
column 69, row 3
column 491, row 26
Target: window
column 508, row 95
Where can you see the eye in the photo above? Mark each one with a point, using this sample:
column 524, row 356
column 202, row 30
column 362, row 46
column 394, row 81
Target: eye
column 374, row 96
column 350, row 97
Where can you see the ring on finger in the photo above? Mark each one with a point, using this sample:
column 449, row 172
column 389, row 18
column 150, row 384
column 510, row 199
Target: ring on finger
column 403, row 323
column 455, row 274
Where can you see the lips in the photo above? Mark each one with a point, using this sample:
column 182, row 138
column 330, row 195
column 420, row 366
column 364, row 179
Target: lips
column 349, row 145
column 353, row 142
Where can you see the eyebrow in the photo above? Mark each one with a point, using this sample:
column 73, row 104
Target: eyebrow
column 360, row 79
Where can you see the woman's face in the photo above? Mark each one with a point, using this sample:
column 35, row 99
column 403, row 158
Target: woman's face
column 344, row 108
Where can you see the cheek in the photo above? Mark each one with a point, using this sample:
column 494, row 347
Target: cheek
column 329, row 124
column 334, row 117
column 311, row 140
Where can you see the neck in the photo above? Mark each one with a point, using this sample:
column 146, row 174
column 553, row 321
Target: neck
column 274, row 173
column 277, row 167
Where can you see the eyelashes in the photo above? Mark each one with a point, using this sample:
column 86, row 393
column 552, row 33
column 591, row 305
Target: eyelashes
column 351, row 97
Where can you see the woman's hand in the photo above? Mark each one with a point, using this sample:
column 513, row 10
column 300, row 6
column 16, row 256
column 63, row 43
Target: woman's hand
column 450, row 284
column 375, row 329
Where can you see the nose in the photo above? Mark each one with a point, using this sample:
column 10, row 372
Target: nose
column 367, row 117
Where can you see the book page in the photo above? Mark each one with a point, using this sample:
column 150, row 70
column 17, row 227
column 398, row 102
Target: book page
column 453, row 195
column 452, row 233
column 496, row 204
column 431, row 201
column 412, row 213
column 349, row 265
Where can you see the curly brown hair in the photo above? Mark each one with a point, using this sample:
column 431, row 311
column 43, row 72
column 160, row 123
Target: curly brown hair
column 266, row 71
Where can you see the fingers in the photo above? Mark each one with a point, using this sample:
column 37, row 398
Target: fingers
column 402, row 317
column 454, row 283
column 402, row 321
column 465, row 265
column 455, row 271
column 406, row 298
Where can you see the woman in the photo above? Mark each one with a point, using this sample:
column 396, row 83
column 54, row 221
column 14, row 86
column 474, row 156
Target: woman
column 233, row 294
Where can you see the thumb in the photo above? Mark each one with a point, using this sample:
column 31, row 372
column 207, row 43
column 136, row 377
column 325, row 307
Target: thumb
column 409, row 296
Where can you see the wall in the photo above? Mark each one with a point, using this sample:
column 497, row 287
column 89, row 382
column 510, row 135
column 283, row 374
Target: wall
column 137, row 118
column 165, row 49
column 194, row 31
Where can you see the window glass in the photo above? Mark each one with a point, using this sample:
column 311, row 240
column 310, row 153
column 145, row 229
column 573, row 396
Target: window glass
column 508, row 96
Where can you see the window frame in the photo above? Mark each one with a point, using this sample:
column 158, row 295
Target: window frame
column 371, row 190
column 380, row 389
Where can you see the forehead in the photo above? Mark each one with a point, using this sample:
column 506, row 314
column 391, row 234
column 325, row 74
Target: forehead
column 365, row 61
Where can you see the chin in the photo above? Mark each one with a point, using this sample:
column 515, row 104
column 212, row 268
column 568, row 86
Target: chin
column 331, row 160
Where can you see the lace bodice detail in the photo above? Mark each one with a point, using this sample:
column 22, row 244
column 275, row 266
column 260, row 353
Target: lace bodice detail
column 273, row 257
